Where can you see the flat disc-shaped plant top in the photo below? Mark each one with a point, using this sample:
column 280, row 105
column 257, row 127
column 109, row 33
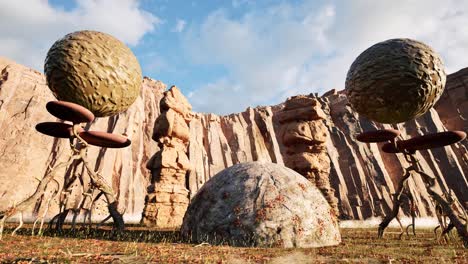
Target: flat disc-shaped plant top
column 56, row 129
column 104, row 139
column 435, row 140
column 429, row 141
column 70, row 111
column 390, row 148
column 378, row 135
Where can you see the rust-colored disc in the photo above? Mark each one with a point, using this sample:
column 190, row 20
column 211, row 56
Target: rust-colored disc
column 56, row 129
column 70, row 111
column 390, row 148
column 429, row 141
column 103, row 139
column 378, row 135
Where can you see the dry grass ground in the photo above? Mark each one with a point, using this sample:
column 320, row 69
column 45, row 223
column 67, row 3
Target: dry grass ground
column 137, row 245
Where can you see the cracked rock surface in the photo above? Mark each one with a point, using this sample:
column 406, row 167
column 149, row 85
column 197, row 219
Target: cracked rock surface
column 261, row 204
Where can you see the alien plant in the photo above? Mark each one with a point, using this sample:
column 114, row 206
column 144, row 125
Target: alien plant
column 444, row 202
column 79, row 139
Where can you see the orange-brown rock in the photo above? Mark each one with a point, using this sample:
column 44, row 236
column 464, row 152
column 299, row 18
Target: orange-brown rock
column 309, row 133
column 301, row 125
column 168, row 196
column 311, row 112
column 171, row 124
column 26, row 154
column 361, row 174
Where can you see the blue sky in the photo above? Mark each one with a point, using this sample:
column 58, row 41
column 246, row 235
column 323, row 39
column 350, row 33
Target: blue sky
column 228, row 55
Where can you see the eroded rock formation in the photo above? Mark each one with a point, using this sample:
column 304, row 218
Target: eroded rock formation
column 361, row 174
column 303, row 135
column 452, row 109
column 168, row 196
column 363, row 177
column 26, row 154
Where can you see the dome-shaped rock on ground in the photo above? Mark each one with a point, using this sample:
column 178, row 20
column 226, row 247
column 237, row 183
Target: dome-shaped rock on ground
column 260, row 204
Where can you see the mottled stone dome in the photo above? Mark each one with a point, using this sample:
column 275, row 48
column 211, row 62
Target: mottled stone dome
column 395, row 81
column 95, row 70
column 261, row 204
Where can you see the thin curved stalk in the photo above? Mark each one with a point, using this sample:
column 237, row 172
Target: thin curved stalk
column 396, row 204
column 108, row 192
column 21, row 207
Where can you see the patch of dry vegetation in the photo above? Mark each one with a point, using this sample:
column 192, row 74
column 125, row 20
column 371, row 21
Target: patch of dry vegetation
column 138, row 245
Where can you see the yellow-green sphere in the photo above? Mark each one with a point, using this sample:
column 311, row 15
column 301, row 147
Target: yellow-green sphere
column 95, row 70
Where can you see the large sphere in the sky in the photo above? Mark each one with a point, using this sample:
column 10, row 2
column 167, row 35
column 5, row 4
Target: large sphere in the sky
column 95, row 70
column 395, row 81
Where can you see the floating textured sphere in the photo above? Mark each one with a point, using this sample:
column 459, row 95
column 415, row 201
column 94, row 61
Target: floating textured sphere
column 395, row 81
column 94, row 70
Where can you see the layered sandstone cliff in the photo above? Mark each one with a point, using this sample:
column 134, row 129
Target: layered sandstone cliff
column 363, row 178
column 26, row 154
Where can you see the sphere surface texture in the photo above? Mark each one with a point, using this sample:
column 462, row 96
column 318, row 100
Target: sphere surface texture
column 395, row 81
column 261, row 204
column 95, row 70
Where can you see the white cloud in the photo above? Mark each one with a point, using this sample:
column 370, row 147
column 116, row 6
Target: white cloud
column 179, row 26
column 263, row 51
column 308, row 47
column 30, row 27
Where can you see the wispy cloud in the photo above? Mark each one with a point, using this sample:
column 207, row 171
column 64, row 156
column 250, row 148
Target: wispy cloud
column 307, row 47
column 32, row 26
column 179, row 26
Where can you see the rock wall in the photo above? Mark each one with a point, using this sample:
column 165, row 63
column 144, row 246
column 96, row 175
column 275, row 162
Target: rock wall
column 26, row 154
column 453, row 112
column 363, row 177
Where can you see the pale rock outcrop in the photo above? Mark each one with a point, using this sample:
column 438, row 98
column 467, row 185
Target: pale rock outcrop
column 452, row 109
column 26, row 154
column 303, row 134
column 361, row 174
column 261, row 204
column 365, row 177
column 168, row 195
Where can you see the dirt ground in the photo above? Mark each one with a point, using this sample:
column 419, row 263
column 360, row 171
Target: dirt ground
column 138, row 245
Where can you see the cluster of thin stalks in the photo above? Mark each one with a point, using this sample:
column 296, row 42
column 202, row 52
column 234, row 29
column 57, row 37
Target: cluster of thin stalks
column 98, row 184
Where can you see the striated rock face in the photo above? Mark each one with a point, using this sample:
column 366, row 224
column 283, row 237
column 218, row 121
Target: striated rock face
column 452, row 108
column 168, row 196
column 26, row 154
column 363, row 177
column 261, row 204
